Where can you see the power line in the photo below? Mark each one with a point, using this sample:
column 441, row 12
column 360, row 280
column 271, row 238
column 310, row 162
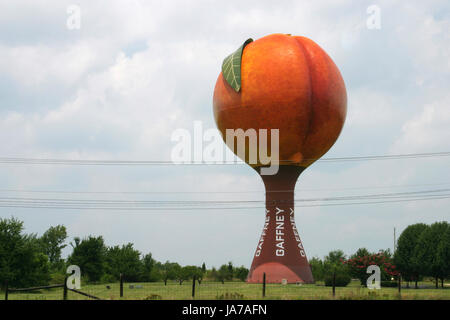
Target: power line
column 214, row 208
column 390, row 157
column 104, row 204
column 200, row 202
column 86, row 162
column 221, row 192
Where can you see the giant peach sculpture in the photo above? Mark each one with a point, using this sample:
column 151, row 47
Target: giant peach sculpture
column 287, row 83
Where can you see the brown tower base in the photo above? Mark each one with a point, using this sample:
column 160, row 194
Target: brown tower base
column 280, row 253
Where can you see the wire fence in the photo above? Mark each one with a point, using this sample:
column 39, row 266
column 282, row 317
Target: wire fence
column 227, row 290
column 26, row 292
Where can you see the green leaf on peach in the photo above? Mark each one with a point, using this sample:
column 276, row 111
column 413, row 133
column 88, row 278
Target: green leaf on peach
column 231, row 67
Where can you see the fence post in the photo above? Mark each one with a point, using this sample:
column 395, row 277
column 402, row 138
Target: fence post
column 121, row 285
column 65, row 289
column 6, row 290
column 399, row 284
column 264, row 285
column 334, row 283
column 193, row 287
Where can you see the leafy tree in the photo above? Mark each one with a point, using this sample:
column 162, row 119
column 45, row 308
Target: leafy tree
column 148, row 265
column 201, row 273
column 189, row 272
column 90, row 255
column 168, row 271
column 36, row 267
column 361, row 252
column 230, row 271
column 241, row 273
column 334, row 258
column 334, row 262
column 213, row 274
column 443, row 255
column 52, row 242
column 11, row 239
column 431, row 249
column 124, row 260
column 386, row 253
column 181, row 273
column 406, row 254
column 358, row 265
column 334, row 267
column 317, row 268
column 223, row 273
column 22, row 261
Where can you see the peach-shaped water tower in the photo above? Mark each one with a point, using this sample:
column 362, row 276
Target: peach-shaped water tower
column 287, row 83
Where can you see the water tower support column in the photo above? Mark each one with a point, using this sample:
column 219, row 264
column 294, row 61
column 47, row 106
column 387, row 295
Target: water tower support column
column 280, row 253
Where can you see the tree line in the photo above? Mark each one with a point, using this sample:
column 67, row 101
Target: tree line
column 28, row 260
column 340, row 269
column 422, row 251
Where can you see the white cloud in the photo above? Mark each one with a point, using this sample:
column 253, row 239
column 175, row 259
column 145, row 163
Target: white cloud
column 34, row 66
column 427, row 131
column 134, row 72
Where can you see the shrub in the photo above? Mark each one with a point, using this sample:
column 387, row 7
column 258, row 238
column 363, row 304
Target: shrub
column 57, row 278
column 358, row 265
column 342, row 280
column 108, row 278
column 389, row 284
column 230, row 296
column 153, row 297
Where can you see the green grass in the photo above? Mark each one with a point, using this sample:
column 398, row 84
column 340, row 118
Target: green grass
column 236, row 290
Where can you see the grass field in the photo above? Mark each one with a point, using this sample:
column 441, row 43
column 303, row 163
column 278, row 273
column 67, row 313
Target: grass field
column 236, row 290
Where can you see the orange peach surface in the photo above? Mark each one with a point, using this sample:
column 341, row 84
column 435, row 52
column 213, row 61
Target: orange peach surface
column 287, row 83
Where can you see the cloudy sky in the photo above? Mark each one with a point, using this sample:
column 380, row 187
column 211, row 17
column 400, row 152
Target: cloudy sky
column 135, row 71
